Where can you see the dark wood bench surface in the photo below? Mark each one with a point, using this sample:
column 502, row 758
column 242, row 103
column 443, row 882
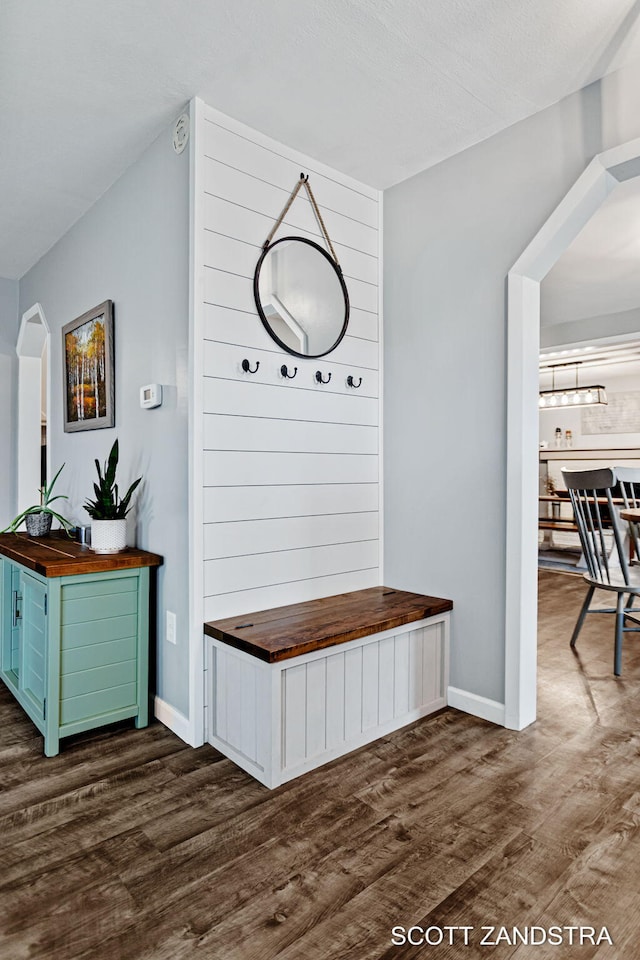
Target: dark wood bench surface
column 285, row 632
column 59, row 556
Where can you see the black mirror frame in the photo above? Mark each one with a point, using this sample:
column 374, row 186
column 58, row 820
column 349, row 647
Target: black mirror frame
column 265, row 322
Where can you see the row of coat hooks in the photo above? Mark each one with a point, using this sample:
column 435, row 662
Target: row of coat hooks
column 287, row 374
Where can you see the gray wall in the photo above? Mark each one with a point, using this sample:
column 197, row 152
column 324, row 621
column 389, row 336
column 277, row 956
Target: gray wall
column 624, row 323
column 132, row 247
column 451, row 235
column 8, row 365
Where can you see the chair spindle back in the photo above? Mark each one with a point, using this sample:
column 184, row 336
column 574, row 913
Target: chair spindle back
column 596, row 516
column 629, row 481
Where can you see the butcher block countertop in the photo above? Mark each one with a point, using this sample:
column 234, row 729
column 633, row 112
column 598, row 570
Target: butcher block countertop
column 59, row 556
column 285, row 632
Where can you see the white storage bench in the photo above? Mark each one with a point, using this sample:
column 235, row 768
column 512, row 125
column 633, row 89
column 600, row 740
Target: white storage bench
column 291, row 688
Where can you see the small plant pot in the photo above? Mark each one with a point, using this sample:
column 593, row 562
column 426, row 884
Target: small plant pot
column 38, row 524
column 108, row 536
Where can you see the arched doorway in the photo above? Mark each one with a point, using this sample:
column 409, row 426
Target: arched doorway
column 603, row 174
column 34, row 390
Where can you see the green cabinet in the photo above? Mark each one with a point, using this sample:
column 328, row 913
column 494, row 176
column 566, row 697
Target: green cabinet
column 33, row 643
column 74, row 649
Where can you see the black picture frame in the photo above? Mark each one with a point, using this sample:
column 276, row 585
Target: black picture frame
column 88, row 370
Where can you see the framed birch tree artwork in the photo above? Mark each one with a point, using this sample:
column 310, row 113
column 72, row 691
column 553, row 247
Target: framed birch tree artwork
column 89, row 394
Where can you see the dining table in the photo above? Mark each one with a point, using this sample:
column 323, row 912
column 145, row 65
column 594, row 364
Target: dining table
column 632, row 516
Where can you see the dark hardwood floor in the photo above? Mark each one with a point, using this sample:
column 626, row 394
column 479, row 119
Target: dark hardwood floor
column 131, row 845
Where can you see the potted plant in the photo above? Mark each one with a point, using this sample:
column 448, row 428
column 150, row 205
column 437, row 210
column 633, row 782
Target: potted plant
column 109, row 510
column 39, row 517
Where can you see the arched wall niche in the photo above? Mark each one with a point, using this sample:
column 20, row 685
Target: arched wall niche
column 34, row 363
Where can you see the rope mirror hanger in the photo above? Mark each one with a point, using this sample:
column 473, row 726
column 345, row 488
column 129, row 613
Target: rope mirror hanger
column 299, row 289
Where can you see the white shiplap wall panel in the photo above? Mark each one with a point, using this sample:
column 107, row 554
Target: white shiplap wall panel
column 278, row 595
column 277, row 168
column 225, row 325
column 289, row 467
column 245, row 397
column 237, row 468
column 239, row 256
column 260, row 433
column 230, row 539
column 232, row 290
column 225, row 359
column 228, row 290
column 285, row 566
column 254, row 503
column 363, row 325
column 234, row 186
column 227, row 253
column 251, row 226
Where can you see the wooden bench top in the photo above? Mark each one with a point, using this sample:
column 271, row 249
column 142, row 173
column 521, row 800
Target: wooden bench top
column 285, row 632
column 59, row 556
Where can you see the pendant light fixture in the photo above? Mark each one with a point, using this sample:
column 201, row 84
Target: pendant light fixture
column 553, row 399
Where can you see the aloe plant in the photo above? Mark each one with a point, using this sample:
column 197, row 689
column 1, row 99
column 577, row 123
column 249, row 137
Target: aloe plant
column 108, row 504
column 46, row 499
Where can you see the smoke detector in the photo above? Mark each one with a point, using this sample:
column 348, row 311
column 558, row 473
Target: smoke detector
column 181, row 133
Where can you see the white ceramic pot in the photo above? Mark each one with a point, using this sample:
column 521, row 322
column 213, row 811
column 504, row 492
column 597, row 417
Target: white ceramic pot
column 108, row 536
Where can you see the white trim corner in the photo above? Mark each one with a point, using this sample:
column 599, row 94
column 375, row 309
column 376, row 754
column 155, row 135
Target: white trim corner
column 196, row 735
column 173, row 719
column 477, row 706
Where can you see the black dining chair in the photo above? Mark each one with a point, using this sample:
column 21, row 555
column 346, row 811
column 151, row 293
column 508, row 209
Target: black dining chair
column 603, row 546
column 629, row 488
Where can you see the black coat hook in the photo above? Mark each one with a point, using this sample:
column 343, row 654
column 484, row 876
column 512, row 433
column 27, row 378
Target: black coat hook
column 319, row 377
column 284, row 372
column 246, row 366
column 350, row 382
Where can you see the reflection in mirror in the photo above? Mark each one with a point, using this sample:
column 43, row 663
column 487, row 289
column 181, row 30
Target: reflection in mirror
column 301, row 297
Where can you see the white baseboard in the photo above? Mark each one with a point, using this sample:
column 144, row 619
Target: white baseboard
column 477, row 706
column 172, row 718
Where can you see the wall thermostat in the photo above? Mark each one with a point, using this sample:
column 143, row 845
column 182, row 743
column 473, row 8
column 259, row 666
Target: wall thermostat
column 151, row 395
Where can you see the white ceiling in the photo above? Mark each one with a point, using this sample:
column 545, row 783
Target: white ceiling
column 599, row 273
column 378, row 89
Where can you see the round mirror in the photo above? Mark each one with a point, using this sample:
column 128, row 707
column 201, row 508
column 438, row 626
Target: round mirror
column 301, row 297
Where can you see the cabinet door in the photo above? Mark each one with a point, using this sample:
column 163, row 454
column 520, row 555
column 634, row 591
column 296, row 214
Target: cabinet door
column 11, row 626
column 33, row 647
column 16, row 620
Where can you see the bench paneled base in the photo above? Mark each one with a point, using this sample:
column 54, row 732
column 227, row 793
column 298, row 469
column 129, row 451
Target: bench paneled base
column 279, row 720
